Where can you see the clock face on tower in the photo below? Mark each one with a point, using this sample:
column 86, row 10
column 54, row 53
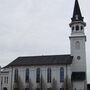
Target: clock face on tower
column 78, row 57
column 77, row 45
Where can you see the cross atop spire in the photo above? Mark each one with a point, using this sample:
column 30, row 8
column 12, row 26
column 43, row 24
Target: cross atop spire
column 77, row 16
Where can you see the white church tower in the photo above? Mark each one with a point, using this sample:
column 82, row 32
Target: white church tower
column 77, row 42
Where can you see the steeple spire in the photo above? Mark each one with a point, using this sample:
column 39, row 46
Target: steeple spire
column 77, row 16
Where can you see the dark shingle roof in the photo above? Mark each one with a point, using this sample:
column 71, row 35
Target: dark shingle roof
column 78, row 76
column 42, row 60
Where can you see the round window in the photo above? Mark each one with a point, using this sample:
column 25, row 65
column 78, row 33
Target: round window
column 78, row 57
column 81, row 27
column 77, row 28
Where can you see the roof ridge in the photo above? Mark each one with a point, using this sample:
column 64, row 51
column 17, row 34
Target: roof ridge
column 45, row 55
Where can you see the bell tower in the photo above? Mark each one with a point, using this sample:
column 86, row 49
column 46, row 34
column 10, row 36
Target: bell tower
column 77, row 40
column 78, row 50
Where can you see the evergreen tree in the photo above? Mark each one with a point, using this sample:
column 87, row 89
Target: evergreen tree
column 54, row 84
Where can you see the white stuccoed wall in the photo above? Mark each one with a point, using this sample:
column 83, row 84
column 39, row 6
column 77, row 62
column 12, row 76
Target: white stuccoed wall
column 78, row 85
column 78, row 65
column 55, row 74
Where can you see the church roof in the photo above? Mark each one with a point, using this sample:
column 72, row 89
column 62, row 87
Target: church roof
column 78, row 76
column 42, row 60
column 77, row 16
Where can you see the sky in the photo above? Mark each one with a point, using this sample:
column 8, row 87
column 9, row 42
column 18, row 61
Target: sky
column 38, row 27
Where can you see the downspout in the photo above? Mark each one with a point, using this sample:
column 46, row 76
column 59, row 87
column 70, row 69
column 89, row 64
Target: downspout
column 66, row 77
column 1, row 84
column 11, row 77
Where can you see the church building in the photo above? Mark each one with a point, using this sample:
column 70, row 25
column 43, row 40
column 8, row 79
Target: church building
column 51, row 72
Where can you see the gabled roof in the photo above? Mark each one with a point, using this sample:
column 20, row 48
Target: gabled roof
column 41, row 60
column 77, row 16
column 78, row 76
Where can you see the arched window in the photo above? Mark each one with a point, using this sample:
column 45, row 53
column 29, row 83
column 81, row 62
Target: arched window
column 78, row 57
column 49, row 75
column 81, row 27
column 1, row 80
column 7, row 79
column 72, row 28
column 38, row 75
column 77, row 45
column 77, row 27
column 61, row 74
column 16, row 75
column 27, row 75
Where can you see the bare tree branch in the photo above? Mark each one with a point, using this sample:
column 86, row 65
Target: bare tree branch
column 54, row 84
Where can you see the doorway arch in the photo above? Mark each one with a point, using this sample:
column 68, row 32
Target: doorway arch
column 4, row 88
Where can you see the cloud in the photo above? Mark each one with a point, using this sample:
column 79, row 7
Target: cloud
column 36, row 27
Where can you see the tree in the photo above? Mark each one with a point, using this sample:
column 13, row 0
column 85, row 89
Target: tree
column 30, row 85
column 67, row 84
column 18, row 85
column 42, row 84
column 54, row 84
